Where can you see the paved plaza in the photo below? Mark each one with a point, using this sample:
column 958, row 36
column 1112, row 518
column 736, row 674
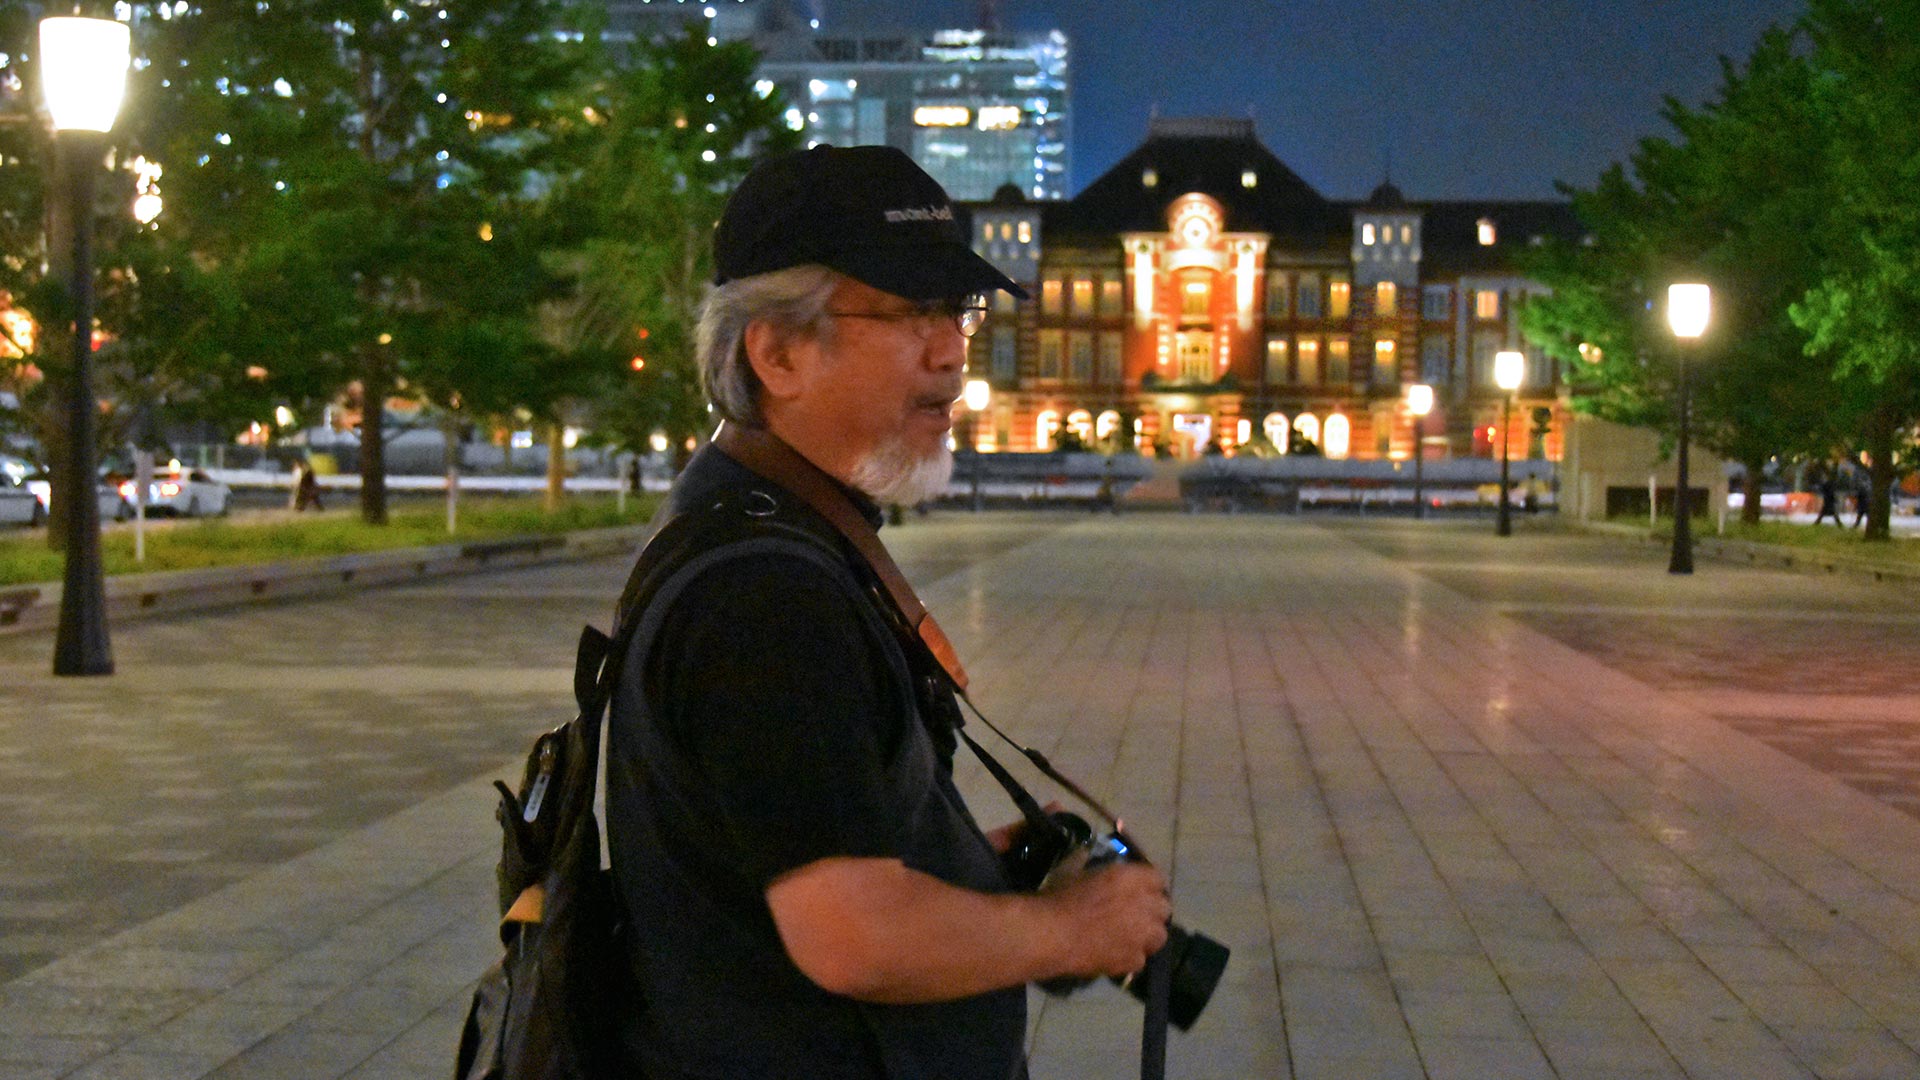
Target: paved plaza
column 1464, row 808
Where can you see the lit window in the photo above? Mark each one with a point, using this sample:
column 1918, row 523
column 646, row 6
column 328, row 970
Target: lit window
column 942, row 116
column 1386, row 298
column 1338, row 434
column 1486, row 232
column 986, row 232
column 1150, row 178
column 1339, row 368
column 1406, row 234
column 1386, row 371
column 1006, row 230
column 1026, row 232
column 1080, row 422
column 1082, row 296
column 1110, row 296
column 1307, row 426
column 998, row 117
column 1050, row 293
column 1486, row 304
column 1105, row 425
column 1277, row 373
column 1307, row 362
column 1274, row 427
column 1339, row 300
column 1366, row 234
column 1045, row 426
column 1249, row 179
column 1196, row 299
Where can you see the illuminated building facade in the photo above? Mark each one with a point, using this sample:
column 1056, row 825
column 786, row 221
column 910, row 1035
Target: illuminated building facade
column 977, row 109
column 1201, row 295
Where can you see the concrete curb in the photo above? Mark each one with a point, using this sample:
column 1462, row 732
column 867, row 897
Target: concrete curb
column 27, row 608
column 1776, row 556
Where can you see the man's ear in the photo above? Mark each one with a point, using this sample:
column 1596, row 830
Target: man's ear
column 770, row 351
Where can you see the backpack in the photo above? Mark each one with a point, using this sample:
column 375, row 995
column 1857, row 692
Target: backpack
column 554, row 1005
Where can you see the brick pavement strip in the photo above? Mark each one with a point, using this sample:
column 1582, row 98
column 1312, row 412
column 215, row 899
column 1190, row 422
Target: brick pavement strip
column 1441, row 843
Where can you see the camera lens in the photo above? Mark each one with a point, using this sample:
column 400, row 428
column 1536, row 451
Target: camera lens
column 1195, row 962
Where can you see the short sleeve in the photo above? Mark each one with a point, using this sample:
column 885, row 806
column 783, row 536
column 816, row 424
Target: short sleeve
column 767, row 675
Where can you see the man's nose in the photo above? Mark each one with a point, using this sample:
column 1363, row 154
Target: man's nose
column 947, row 348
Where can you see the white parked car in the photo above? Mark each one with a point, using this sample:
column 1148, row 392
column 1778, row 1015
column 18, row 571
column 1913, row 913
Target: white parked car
column 112, row 506
column 19, row 506
column 185, row 492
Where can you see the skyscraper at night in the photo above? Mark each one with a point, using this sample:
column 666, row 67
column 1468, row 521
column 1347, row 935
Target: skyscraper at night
column 979, row 109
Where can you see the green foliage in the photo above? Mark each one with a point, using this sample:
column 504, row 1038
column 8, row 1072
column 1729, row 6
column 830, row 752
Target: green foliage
column 678, row 128
column 1737, row 200
column 198, row 544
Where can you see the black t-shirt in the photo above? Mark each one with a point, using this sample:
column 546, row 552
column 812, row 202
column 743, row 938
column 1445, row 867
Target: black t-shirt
column 768, row 718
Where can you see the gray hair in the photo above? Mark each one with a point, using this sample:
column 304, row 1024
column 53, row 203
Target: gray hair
column 794, row 299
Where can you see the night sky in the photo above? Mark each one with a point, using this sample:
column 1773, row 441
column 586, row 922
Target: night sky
column 1474, row 98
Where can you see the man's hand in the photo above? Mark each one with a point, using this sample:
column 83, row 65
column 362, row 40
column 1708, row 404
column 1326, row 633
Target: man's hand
column 1118, row 915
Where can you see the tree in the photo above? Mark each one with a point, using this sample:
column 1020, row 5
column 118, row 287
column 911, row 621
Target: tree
column 1864, row 315
column 339, row 158
column 680, row 125
column 1737, row 199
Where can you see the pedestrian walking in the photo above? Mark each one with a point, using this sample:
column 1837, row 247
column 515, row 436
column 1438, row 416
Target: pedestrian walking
column 1829, row 488
column 1862, row 496
column 306, row 487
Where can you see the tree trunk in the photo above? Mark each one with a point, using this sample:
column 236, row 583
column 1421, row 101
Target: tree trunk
column 375, row 381
column 450, row 429
column 1750, row 509
column 556, row 466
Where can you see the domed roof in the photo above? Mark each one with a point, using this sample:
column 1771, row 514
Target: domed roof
column 1008, row 194
column 1386, row 197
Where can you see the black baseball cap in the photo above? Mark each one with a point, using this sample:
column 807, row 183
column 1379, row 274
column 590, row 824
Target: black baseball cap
column 867, row 211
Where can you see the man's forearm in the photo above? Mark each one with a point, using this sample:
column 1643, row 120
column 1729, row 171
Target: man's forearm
column 876, row 930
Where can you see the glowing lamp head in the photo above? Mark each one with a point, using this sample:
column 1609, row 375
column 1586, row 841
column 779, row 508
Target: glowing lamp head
column 1509, row 368
column 1688, row 309
column 1419, row 399
column 83, row 71
column 977, row 394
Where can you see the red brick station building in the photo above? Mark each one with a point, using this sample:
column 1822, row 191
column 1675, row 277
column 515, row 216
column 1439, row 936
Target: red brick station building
column 1201, row 293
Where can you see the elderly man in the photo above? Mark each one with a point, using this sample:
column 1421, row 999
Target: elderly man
column 809, row 896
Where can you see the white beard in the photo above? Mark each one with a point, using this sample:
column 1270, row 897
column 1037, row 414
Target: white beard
column 894, row 474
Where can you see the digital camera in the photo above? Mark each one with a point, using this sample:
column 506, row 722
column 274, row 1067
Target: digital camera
column 1046, row 858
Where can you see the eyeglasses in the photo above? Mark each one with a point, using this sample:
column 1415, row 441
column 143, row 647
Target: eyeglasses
column 966, row 314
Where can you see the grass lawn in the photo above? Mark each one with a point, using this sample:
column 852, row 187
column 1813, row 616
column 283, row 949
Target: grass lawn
column 187, row 545
column 1823, row 538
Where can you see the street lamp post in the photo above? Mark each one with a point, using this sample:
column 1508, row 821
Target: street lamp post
column 83, row 67
column 1419, row 403
column 1508, row 369
column 975, row 397
column 1688, row 308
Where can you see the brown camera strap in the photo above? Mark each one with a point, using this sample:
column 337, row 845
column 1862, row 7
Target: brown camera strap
column 772, row 458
